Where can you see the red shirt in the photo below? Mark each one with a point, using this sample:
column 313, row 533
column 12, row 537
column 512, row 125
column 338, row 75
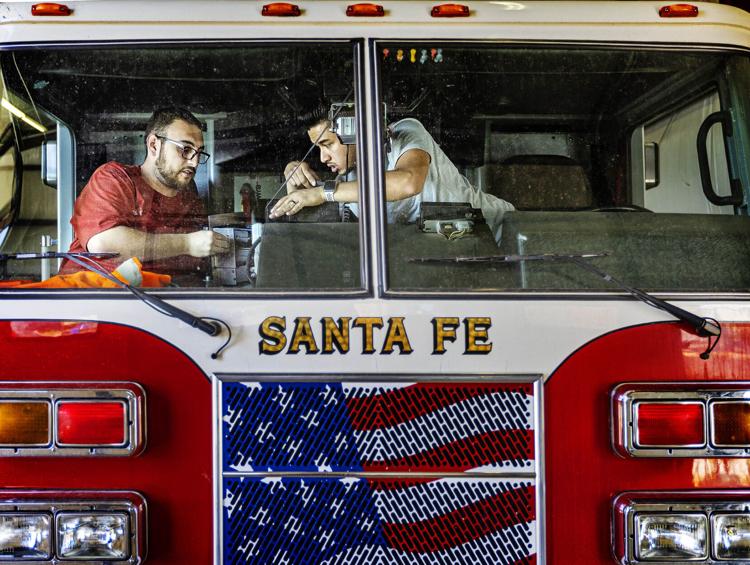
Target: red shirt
column 117, row 195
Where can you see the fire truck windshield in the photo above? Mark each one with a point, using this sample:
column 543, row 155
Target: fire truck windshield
column 481, row 150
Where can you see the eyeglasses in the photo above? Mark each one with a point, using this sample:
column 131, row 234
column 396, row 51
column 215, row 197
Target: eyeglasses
column 188, row 153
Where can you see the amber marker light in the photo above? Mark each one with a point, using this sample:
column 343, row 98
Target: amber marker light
column 50, row 9
column 24, row 423
column 730, row 423
column 281, row 9
column 670, row 424
column 91, row 423
column 450, row 11
column 365, row 11
column 678, row 11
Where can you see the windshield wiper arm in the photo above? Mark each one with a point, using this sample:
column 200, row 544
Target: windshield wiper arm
column 206, row 326
column 508, row 258
column 704, row 327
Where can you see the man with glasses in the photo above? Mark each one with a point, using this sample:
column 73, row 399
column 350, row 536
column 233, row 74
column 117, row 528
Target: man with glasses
column 151, row 211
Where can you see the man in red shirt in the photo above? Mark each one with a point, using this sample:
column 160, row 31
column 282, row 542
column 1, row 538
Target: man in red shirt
column 151, row 211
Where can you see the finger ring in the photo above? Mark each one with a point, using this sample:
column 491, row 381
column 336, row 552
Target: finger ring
column 293, row 202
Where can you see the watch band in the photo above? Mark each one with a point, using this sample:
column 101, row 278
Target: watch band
column 329, row 188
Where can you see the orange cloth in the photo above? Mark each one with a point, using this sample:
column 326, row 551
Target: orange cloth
column 88, row 279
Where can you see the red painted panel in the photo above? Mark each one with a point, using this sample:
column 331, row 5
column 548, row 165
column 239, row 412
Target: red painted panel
column 583, row 473
column 174, row 471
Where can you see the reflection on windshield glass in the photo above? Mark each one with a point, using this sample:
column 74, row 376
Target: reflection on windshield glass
column 566, row 151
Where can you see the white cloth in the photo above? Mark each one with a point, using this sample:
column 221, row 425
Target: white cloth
column 444, row 183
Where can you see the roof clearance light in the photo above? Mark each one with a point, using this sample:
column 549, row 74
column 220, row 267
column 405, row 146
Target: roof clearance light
column 365, row 11
column 91, row 423
column 281, row 9
column 450, row 11
column 674, row 424
column 730, row 423
column 50, row 9
column 25, row 536
column 678, row 11
column 731, row 533
column 671, row 537
column 24, row 423
column 93, row 536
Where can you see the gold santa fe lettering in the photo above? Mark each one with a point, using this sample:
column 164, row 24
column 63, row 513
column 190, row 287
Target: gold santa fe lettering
column 477, row 331
column 443, row 329
column 367, row 324
column 335, row 334
column 272, row 333
column 396, row 337
column 303, row 335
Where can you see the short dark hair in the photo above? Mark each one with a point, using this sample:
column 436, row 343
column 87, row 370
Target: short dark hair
column 314, row 115
column 162, row 118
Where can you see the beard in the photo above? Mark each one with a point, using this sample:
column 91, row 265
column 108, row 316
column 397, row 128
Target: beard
column 170, row 176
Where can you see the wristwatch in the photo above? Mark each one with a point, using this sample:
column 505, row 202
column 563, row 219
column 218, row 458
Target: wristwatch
column 329, row 188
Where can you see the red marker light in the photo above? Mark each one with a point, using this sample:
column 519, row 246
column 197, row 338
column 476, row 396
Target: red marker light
column 91, row 423
column 670, row 424
column 50, row 9
column 365, row 11
column 678, row 11
column 281, row 9
column 450, row 11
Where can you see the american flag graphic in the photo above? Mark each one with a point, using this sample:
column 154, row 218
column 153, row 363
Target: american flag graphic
column 315, row 429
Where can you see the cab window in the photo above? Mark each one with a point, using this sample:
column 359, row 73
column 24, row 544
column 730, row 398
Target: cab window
column 539, row 157
column 68, row 112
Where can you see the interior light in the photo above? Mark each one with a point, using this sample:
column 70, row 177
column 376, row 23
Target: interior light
column 365, row 10
column 730, row 423
column 281, row 9
column 50, row 9
column 25, row 536
column 671, row 536
column 450, row 11
column 678, row 11
column 91, row 423
column 5, row 103
column 93, row 535
column 24, row 423
column 731, row 536
column 670, row 424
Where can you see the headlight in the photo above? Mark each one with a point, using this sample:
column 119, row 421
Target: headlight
column 25, row 536
column 671, row 536
column 103, row 536
column 731, row 534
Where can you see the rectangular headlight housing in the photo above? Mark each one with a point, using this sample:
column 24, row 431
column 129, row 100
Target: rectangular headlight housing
column 671, row 537
column 695, row 526
column 25, row 536
column 93, row 535
column 731, row 536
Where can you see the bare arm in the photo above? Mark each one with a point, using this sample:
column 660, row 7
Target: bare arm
column 129, row 242
column 404, row 181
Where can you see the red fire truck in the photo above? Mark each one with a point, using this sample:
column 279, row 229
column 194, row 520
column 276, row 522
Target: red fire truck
column 538, row 355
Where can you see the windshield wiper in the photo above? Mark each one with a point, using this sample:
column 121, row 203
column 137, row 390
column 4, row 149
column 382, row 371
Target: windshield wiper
column 210, row 326
column 704, row 327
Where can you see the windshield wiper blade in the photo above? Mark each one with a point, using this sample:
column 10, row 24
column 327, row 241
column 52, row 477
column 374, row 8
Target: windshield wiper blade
column 508, row 258
column 704, row 327
column 55, row 255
